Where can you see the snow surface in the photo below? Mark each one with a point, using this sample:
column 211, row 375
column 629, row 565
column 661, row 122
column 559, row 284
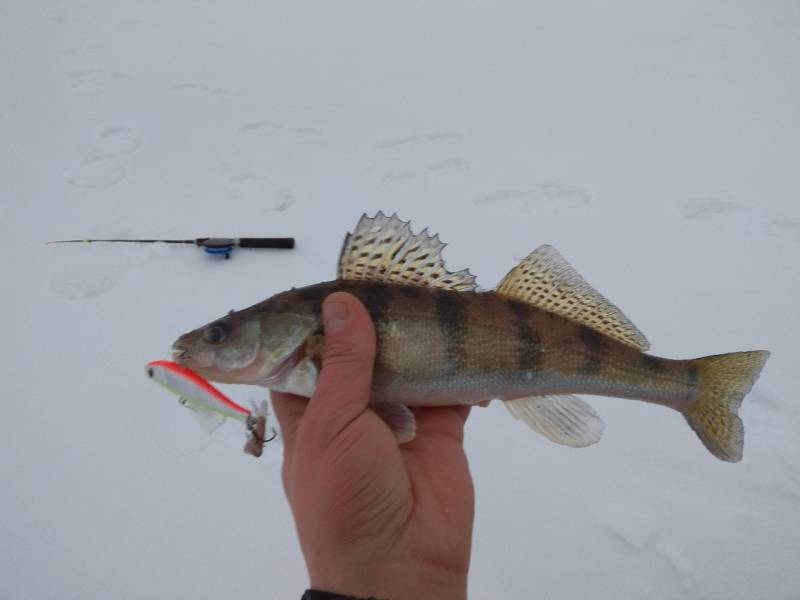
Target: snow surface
column 656, row 144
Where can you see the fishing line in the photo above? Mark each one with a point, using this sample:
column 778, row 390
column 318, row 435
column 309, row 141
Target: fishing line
column 215, row 246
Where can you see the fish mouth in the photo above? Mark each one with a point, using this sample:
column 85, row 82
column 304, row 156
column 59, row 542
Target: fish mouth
column 187, row 359
column 180, row 355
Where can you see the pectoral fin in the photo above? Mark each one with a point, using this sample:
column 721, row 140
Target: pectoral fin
column 566, row 420
column 399, row 419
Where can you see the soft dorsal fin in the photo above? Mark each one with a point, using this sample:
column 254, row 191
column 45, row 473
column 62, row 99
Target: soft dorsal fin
column 546, row 280
column 384, row 249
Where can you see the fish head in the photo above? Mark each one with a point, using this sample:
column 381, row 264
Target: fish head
column 257, row 347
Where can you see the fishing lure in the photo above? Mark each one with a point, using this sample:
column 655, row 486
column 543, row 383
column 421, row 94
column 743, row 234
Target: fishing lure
column 210, row 406
column 213, row 246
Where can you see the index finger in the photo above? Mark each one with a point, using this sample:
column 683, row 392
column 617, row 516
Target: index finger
column 289, row 409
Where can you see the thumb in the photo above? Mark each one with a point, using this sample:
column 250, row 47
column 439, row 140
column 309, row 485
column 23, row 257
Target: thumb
column 345, row 381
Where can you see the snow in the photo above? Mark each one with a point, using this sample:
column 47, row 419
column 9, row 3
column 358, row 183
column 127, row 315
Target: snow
column 655, row 144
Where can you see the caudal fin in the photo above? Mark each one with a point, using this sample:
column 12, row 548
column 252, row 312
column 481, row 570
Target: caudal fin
column 724, row 380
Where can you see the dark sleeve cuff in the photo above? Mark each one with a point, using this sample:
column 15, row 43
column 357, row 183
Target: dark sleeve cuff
column 318, row 595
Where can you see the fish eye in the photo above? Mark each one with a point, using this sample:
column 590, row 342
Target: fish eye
column 217, row 332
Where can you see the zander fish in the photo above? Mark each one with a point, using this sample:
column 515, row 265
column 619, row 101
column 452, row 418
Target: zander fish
column 543, row 335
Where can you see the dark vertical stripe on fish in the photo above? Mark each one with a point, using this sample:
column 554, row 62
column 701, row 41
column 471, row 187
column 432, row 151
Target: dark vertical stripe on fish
column 451, row 312
column 313, row 292
column 596, row 349
column 694, row 381
column 410, row 291
column 530, row 344
column 376, row 299
column 315, row 295
column 652, row 364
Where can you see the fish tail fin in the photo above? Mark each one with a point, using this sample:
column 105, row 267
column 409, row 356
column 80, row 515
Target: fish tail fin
column 724, row 380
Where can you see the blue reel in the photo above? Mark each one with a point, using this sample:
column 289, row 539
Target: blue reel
column 219, row 250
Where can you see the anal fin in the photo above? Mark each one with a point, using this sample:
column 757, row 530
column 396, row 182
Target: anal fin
column 399, row 418
column 564, row 419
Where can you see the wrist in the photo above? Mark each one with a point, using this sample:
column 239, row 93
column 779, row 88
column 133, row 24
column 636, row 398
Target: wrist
column 320, row 595
column 391, row 580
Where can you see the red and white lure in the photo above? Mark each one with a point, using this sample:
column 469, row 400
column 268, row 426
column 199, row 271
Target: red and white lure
column 210, row 406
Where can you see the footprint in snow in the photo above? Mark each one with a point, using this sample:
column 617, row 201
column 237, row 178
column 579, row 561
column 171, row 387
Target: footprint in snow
column 440, row 167
column 399, row 177
column 657, row 561
column 261, row 191
column 271, row 128
column 92, row 82
column 96, row 173
column 81, row 49
column 83, row 283
column 728, row 214
column 415, row 140
column 710, row 210
column 448, row 164
column 98, row 170
column 784, row 227
column 191, row 86
column 116, row 141
column 52, row 19
column 546, row 195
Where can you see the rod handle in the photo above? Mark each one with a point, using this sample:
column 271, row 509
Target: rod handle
column 285, row 243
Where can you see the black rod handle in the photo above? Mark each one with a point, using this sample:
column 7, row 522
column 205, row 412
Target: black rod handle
column 286, row 243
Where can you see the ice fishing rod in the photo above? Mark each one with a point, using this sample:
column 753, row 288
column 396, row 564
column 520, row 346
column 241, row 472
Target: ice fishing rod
column 214, row 246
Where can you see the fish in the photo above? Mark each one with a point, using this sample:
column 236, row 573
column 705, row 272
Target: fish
column 210, row 406
column 536, row 342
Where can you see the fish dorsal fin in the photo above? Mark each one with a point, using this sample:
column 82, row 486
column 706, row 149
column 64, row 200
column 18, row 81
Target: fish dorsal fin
column 546, row 280
column 385, row 249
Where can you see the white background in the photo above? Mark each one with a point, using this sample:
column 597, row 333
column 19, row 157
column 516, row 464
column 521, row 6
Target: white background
column 655, row 144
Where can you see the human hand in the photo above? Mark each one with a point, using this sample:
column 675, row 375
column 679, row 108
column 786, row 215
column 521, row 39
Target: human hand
column 374, row 518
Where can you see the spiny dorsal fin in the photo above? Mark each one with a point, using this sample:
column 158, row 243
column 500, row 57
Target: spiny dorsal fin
column 549, row 282
column 384, row 249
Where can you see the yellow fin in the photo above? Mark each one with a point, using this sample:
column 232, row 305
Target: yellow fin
column 725, row 379
column 546, row 280
column 384, row 249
